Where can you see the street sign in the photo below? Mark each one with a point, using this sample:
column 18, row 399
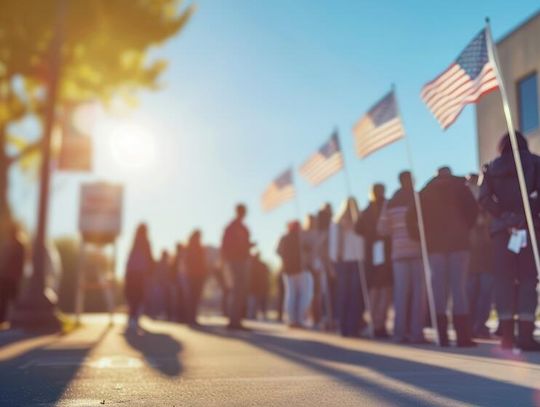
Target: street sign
column 100, row 216
column 75, row 153
column 76, row 146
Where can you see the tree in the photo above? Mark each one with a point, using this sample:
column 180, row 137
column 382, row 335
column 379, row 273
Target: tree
column 104, row 55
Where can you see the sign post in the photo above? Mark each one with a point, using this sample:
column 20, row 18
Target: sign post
column 100, row 223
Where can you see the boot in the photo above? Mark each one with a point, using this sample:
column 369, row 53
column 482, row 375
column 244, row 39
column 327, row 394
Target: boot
column 506, row 332
column 442, row 329
column 463, row 331
column 526, row 340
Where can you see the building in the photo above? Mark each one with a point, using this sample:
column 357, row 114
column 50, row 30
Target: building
column 519, row 54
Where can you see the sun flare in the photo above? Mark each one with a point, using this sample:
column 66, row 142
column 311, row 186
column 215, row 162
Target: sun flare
column 133, row 147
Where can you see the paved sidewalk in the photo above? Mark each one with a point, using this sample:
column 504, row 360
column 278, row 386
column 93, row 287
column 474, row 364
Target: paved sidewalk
column 172, row 365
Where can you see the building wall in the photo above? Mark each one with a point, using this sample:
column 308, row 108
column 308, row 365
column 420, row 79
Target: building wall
column 519, row 55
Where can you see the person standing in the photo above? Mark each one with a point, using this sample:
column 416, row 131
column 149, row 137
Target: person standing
column 139, row 267
column 159, row 288
column 180, row 281
column 196, row 269
column 295, row 276
column 480, row 281
column 235, row 249
column 514, row 267
column 312, row 240
column 378, row 261
column 450, row 212
column 329, row 286
column 409, row 280
column 259, row 287
column 346, row 250
column 11, row 270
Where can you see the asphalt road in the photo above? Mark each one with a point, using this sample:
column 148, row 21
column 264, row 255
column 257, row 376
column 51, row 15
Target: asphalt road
column 172, row 365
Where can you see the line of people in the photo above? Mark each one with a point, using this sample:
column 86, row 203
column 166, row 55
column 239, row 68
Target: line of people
column 336, row 268
column 171, row 287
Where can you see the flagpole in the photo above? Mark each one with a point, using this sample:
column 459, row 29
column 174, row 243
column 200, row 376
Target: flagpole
column 422, row 231
column 296, row 199
column 494, row 58
column 361, row 268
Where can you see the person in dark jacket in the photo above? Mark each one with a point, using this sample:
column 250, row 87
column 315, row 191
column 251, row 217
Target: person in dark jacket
column 139, row 267
column 179, row 282
column 196, row 271
column 480, row 280
column 515, row 271
column 378, row 262
column 235, row 248
column 259, row 287
column 449, row 211
column 11, row 270
column 295, row 277
column 324, row 220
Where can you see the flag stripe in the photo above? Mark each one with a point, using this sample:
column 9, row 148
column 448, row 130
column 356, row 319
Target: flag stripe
column 464, row 82
column 317, row 175
column 274, row 198
column 379, row 127
column 381, row 131
column 396, row 131
column 364, row 150
column 324, row 163
column 487, row 88
column 278, row 192
column 469, row 95
column 463, row 89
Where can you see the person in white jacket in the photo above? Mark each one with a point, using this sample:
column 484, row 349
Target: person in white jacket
column 346, row 250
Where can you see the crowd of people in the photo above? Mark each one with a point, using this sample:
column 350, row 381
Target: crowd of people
column 171, row 287
column 363, row 263
column 358, row 270
column 361, row 272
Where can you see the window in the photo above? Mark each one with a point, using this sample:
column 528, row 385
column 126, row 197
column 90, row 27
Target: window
column 528, row 103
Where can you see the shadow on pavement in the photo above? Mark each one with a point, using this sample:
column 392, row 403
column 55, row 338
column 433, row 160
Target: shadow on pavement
column 42, row 375
column 441, row 381
column 161, row 351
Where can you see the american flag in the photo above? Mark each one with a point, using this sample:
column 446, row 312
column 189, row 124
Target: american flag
column 327, row 161
column 465, row 81
column 379, row 127
column 279, row 191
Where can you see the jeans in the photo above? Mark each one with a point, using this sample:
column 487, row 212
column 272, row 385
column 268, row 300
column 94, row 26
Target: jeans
column 480, row 292
column 298, row 295
column 380, row 298
column 515, row 280
column 409, row 299
column 449, row 274
column 256, row 305
column 350, row 305
column 238, row 294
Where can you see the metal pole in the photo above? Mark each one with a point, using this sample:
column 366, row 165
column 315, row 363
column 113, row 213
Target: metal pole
column 494, row 58
column 112, row 282
column 80, row 283
column 422, row 233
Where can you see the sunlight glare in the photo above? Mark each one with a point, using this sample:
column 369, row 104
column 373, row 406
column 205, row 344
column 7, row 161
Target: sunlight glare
column 133, row 147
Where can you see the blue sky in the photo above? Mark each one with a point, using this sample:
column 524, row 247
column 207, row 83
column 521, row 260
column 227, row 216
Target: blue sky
column 255, row 86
